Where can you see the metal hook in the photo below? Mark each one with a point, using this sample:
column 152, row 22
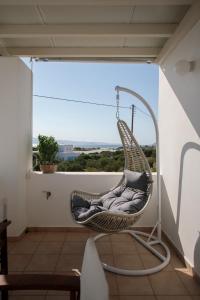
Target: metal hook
column 48, row 194
column 117, row 100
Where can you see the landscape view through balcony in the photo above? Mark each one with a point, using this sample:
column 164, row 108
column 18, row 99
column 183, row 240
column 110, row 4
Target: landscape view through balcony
column 76, row 104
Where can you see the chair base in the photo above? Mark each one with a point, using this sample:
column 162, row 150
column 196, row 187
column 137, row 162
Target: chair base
column 151, row 241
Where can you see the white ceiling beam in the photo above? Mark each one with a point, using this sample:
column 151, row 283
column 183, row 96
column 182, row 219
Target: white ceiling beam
column 188, row 22
column 35, row 31
column 97, row 2
column 85, row 52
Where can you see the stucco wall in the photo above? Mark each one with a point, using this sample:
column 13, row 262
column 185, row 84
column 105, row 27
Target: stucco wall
column 56, row 211
column 179, row 124
column 15, row 136
column 23, row 189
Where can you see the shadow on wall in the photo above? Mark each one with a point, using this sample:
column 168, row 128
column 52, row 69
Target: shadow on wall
column 168, row 219
column 186, row 147
column 170, row 223
column 189, row 96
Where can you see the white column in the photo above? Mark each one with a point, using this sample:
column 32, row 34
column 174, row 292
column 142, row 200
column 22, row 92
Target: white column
column 15, row 137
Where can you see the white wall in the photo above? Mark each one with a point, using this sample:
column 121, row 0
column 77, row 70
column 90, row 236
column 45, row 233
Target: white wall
column 27, row 204
column 56, row 211
column 179, row 124
column 15, row 137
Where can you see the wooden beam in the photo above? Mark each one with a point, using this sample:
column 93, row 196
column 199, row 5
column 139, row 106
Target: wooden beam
column 35, row 31
column 85, row 52
column 97, row 2
column 40, row 282
column 188, row 22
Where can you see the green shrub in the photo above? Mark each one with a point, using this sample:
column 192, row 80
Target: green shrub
column 48, row 148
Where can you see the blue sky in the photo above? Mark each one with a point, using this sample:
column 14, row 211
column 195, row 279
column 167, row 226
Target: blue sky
column 91, row 82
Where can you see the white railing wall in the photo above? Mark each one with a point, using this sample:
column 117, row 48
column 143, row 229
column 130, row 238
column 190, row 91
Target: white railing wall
column 56, row 211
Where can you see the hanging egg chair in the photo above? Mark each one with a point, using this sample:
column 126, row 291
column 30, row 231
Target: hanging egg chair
column 113, row 220
column 118, row 209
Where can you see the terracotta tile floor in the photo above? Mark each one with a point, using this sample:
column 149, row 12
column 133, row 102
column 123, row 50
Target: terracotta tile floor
column 60, row 252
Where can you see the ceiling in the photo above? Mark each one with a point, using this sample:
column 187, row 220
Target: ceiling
column 134, row 30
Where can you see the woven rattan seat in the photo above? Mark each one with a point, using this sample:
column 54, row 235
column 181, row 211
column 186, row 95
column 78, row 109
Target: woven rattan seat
column 135, row 160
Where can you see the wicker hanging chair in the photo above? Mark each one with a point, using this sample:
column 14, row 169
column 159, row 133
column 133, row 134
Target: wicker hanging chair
column 135, row 160
column 108, row 222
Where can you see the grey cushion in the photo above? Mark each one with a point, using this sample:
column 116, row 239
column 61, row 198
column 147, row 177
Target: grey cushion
column 136, row 180
column 83, row 214
column 80, row 202
column 131, row 204
column 121, row 200
column 82, row 209
column 108, row 199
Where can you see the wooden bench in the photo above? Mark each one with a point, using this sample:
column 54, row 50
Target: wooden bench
column 9, row 282
column 41, row 282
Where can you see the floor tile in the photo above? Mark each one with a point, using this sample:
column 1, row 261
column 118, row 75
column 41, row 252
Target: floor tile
column 68, row 262
column 167, row 283
column 128, row 261
column 189, row 282
column 159, row 248
column 107, row 259
column 150, row 261
column 123, row 248
column 61, row 252
column 49, row 247
column 24, row 247
column 73, row 248
column 104, row 248
column 11, row 245
column 77, row 237
column 18, row 262
column 42, row 262
column 175, row 261
column 134, row 285
column 54, row 237
column 103, row 239
column 121, row 237
column 112, row 283
column 141, row 249
column 34, row 236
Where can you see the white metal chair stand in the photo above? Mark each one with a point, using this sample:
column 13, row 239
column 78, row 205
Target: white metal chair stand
column 108, row 222
column 152, row 240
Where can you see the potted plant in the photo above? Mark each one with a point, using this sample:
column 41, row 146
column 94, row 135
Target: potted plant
column 48, row 148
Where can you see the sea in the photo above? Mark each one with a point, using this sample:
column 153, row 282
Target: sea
column 83, row 144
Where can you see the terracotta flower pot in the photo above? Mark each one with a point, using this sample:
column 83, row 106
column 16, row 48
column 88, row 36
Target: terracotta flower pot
column 48, row 168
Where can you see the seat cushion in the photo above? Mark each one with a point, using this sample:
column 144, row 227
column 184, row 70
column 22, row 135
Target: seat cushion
column 130, row 201
column 83, row 209
column 123, row 199
column 136, row 180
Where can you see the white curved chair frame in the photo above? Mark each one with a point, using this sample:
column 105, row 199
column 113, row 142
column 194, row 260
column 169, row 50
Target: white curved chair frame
column 152, row 240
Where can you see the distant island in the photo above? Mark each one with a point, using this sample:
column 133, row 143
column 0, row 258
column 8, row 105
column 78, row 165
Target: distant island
column 83, row 144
